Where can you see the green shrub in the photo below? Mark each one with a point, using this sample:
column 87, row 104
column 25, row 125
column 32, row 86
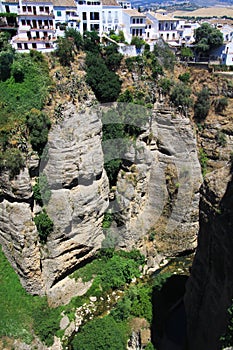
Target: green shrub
column 227, row 339
column 12, row 161
column 41, row 190
column 221, row 138
column 44, row 225
column 202, row 105
column 47, row 323
column 203, row 161
column 184, row 77
column 101, row 333
column 38, row 124
column 180, row 96
column 104, row 82
column 220, row 104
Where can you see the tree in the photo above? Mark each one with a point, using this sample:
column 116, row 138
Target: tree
column 91, row 41
column 105, row 84
column 207, row 38
column 202, row 105
column 180, row 96
column 186, row 53
column 138, row 42
column 12, row 161
column 38, row 124
column 101, row 333
column 6, row 60
column 44, row 225
column 64, row 51
column 73, row 34
column 112, row 57
column 220, row 104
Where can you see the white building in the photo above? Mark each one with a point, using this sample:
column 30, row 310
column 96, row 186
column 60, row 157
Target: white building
column 133, row 24
column 65, row 12
column 186, row 31
column 165, row 25
column 227, row 54
column 111, row 16
column 36, row 26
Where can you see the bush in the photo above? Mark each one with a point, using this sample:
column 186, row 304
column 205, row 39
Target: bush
column 180, row 96
column 220, row 104
column 101, row 333
column 12, row 161
column 227, row 339
column 47, row 323
column 184, row 77
column 203, row 161
column 105, row 83
column 202, row 105
column 41, row 190
column 64, row 51
column 38, row 124
column 44, row 225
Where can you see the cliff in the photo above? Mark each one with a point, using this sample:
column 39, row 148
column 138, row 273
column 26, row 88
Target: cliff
column 79, row 188
column 159, row 188
column 210, row 289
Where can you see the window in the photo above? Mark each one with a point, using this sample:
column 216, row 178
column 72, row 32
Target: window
column 137, row 20
column 26, row 46
column 94, row 16
column 23, row 22
column 133, row 20
column 46, row 9
column 7, row 7
column 141, row 20
column 84, row 16
column 95, row 26
column 29, row 9
column 34, row 45
column 19, row 46
column 24, row 9
column 84, row 27
column 41, row 8
column 58, row 13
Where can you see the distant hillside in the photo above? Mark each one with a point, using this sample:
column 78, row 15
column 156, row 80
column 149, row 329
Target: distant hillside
column 215, row 11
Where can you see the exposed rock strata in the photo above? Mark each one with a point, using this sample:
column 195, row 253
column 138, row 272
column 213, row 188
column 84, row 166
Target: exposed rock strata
column 210, row 289
column 161, row 189
column 79, row 188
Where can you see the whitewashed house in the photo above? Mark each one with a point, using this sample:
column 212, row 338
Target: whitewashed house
column 111, row 16
column 65, row 12
column 133, row 24
column 165, row 26
column 36, row 26
column 90, row 14
column 10, row 6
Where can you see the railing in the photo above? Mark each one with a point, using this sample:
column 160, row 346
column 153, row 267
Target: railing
column 37, row 13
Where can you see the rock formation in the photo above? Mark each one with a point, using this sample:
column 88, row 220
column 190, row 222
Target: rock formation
column 159, row 187
column 210, row 289
column 79, row 188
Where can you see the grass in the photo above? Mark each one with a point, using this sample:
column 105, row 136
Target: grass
column 19, row 310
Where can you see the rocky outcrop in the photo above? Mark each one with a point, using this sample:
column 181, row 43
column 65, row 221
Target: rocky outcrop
column 210, row 289
column 79, row 197
column 158, row 188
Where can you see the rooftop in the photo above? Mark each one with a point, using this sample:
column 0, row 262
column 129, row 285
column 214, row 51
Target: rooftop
column 134, row 13
column 64, row 3
column 110, row 3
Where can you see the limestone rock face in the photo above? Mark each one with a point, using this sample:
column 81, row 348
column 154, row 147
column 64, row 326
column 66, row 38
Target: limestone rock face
column 210, row 289
column 73, row 165
column 159, row 190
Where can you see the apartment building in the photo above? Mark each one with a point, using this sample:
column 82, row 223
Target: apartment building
column 36, row 26
column 133, row 24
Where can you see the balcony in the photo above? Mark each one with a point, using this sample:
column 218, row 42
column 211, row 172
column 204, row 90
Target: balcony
column 35, row 14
